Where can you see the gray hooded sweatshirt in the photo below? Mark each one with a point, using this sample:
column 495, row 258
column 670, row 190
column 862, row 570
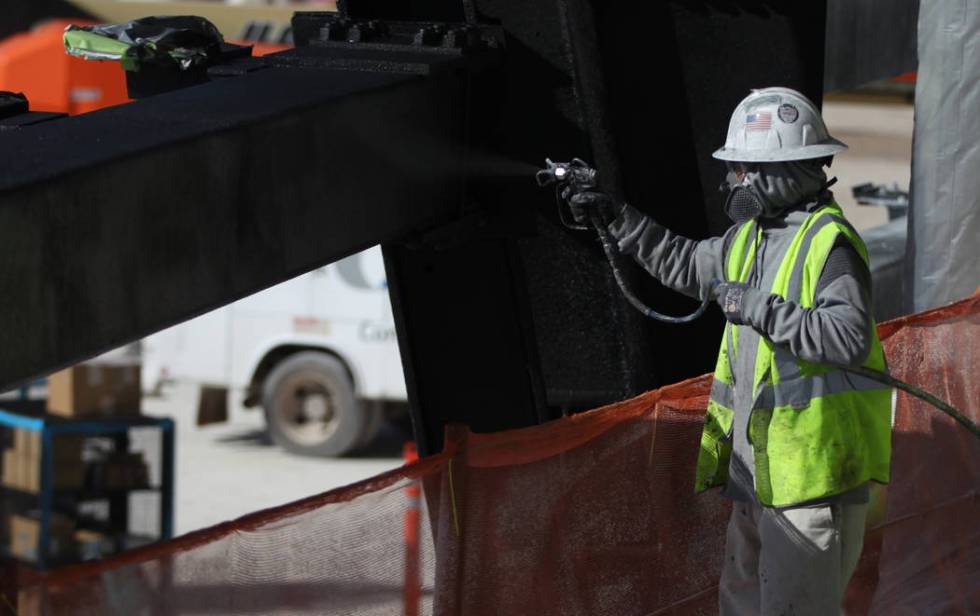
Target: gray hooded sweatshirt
column 837, row 329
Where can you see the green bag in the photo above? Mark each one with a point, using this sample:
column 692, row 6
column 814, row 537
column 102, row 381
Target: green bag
column 181, row 42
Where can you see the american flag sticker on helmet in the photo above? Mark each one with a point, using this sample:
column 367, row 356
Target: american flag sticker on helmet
column 760, row 120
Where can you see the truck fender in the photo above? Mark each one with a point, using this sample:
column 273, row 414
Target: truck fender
column 265, row 358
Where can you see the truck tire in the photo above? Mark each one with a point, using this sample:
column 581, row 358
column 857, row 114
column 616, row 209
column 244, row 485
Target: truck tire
column 310, row 407
column 376, row 419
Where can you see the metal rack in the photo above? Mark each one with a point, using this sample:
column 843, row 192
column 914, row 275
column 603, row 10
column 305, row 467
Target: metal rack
column 116, row 428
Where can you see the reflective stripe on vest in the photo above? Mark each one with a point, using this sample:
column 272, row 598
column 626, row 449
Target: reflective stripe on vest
column 796, row 393
column 815, row 430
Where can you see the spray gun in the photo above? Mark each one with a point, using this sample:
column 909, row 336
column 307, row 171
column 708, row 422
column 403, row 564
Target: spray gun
column 568, row 179
column 577, row 176
column 577, row 173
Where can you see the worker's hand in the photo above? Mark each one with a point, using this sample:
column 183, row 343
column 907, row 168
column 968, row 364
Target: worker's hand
column 734, row 299
column 586, row 204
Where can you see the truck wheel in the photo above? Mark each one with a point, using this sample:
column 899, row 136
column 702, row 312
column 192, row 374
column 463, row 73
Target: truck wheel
column 310, row 408
column 374, row 419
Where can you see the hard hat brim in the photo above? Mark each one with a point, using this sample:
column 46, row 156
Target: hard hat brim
column 829, row 147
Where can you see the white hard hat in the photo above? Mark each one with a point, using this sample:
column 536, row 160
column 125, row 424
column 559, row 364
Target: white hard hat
column 777, row 124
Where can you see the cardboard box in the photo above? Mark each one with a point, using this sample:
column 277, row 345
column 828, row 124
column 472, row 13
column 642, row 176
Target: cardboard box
column 12, row 468
column 30, row 601
column 92, row 545
column 66, row 446
column 25, row 531
column 24, row 474
column 95, row 389
column 22, row 465
column 26, row 441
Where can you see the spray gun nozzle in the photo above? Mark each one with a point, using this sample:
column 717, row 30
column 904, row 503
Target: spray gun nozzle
column 576, row 173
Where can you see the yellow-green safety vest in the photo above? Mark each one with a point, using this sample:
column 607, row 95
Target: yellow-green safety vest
column 815, row 430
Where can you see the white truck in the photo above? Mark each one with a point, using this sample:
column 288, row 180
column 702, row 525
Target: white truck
column 318, row 353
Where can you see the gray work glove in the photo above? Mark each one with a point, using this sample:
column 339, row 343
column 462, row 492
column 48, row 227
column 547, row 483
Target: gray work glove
column 737, row 300
column 583, row 205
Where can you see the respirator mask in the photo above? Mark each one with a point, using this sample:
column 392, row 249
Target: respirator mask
column 742, row 202
column 767, row 190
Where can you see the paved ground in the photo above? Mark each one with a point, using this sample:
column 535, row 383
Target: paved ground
column 227, row 470
column 880, row 140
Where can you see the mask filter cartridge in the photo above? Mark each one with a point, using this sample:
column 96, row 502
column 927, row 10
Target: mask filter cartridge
column 742, row 205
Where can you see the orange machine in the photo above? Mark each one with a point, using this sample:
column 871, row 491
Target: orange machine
column 36, row 64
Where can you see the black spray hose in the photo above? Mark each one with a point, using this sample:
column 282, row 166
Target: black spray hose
column 887, row 379
column 580, row 176
column 612, row 255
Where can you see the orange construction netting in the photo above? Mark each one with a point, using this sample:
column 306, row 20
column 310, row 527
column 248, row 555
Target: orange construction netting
column 590, row 515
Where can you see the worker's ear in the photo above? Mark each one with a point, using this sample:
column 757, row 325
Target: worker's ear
column 731, row 180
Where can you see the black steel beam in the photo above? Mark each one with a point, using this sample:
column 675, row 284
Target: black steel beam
column 502, row 330
column 121, row 222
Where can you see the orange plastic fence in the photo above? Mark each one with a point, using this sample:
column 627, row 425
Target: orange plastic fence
column 589, row 515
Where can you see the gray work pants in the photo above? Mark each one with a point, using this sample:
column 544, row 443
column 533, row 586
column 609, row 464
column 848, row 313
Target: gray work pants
column 790, row 561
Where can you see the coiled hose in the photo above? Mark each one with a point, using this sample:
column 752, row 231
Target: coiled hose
column 612, row 255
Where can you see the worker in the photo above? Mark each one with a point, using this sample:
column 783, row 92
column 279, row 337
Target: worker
column 791, row 439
